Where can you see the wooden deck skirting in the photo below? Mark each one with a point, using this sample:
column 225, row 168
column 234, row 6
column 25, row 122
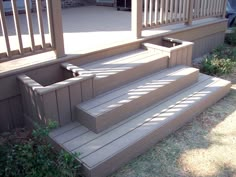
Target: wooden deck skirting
column 205, row 37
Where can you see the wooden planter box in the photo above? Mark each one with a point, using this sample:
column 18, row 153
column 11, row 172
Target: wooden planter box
column 179, row 52
column 56, row 101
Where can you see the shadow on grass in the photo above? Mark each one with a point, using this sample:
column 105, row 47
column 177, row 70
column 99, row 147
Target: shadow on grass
column 204, row 147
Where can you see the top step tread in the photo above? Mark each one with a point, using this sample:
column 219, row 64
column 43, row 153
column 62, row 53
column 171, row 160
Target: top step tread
column 134, row 90
column 112, row 65
column 95, row 148
column 115, row 59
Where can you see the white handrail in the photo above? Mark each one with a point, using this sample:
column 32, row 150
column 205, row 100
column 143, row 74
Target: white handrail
column 165, row 12
column 53, row 13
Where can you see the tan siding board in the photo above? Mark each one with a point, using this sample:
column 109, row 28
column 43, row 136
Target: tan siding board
column 24, row 98
column 16, row 111
column 189, row 56
column 33, row 103
column 87, row 89
column 179, row 56
column 63, row 101
column 184, row 56
column 50, row 107
column 28, row 101
column 5, row 116
column 173, row 58
column 75, row 97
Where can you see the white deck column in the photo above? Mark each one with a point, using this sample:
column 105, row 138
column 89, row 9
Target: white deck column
column 190, row 13
column 136, row 18
column 224, row 9
column 55, row 27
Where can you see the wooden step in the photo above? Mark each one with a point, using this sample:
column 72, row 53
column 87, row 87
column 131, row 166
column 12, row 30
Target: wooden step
column 123, row 68
column 106, row 110
column 103, row 153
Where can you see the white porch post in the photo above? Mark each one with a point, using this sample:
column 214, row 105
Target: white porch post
column 55, row 26
column 136, row 18
column 190, row 13
column 224, row 8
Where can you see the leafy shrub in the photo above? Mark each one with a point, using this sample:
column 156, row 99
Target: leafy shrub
column 220, row 61
column 214, row 66
column 224, row 52
column 33, row 156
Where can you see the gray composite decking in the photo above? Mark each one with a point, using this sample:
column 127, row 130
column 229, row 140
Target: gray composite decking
column 98, row 114
column 114, row 71
column 103, row 153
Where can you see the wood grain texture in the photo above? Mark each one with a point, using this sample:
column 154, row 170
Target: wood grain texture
column 64, row 106
column 87, row 89
column 5, row 116
column 75, row 98
column 16, row 109
column 50, row 107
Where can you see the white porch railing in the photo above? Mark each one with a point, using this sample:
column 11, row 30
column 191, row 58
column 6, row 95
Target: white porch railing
column 208, row 8
column 163, row 12
column 56, row 43
column 148, row 14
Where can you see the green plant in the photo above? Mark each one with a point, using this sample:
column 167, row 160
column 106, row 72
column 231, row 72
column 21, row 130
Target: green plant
column 215, row 66
column 35, row 157
column 220, row 61
column 224, row 52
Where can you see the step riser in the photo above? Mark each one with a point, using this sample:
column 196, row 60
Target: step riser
column 110, row 118
column 135, row 106
column 125, row 155
column 119, row 79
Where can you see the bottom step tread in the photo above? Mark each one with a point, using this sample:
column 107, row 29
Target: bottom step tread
column 105, row 152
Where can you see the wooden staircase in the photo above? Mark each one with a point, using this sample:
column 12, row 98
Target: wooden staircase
column 130, row 102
